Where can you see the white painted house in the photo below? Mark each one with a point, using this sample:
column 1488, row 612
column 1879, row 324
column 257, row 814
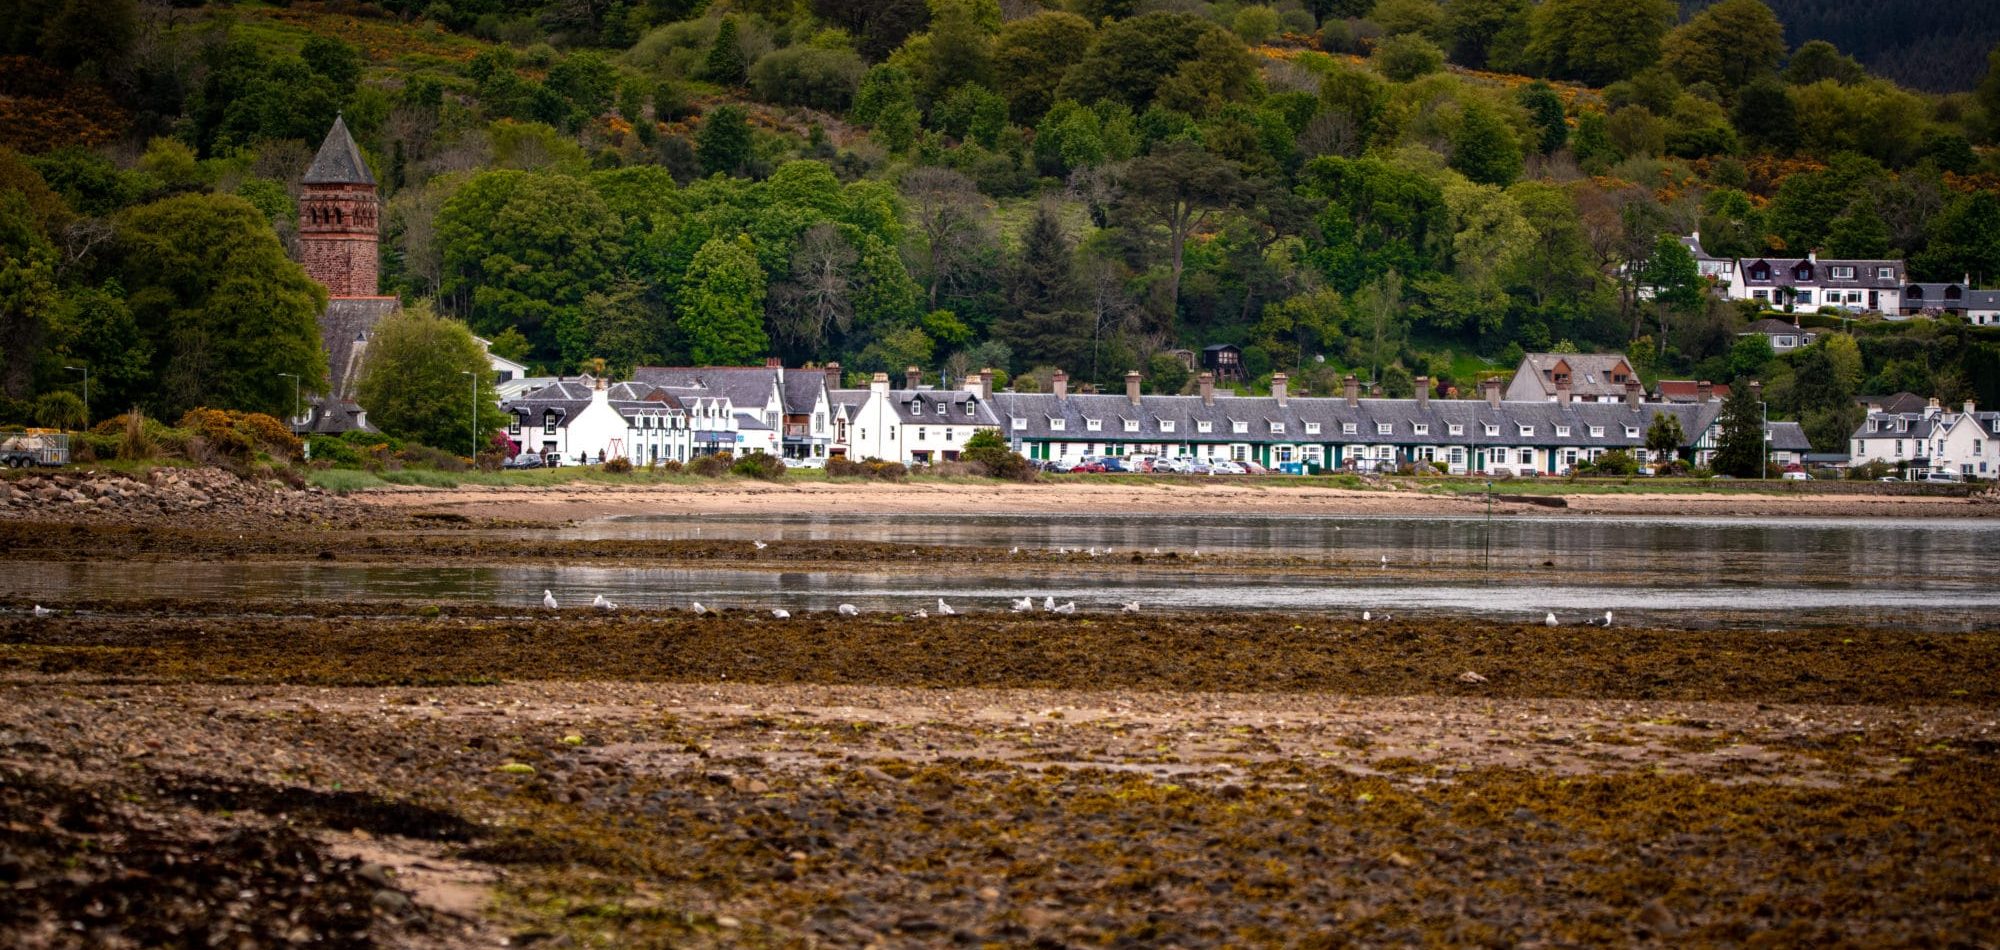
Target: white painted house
column 588, row 421
column 914, row 426
column 1873, row 286
column 1902, row 439
column 1784, row 337
column 1966, row 442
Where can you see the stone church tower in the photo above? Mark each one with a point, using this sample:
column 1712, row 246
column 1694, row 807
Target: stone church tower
column 338, row 239
column 338, row 233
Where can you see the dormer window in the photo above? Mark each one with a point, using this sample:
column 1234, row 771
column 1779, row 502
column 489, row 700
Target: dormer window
column 969, row 410
column 549, row 422
column 1885, row 273
column 1916, row 293
column 1312, row 428
column 1456, row 429
column 1204, row 426
column 1421, row 428
column 1492, row 429
column 1057, row 425
column 1131, row 425
column 1760, row 272
column 1020, row 423
column 1277, row 428
column 916, row 407
column 1238, row 426
column 1597, row 432
column 1093, row 425
column 1953, row 292
column 1631, row 432
column 1349, row 428
column 1166, row 425
column 1840, row 273
column 1384, row 428
column 1562, row 431
column 1527, row 431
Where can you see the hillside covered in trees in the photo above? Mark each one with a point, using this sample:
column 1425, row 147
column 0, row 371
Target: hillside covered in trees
column 1923, row 44
column 1386, row 187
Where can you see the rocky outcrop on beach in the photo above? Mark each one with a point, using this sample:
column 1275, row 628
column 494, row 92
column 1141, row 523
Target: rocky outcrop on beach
column 212, row 494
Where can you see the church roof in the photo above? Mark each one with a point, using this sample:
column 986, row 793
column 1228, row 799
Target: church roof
column 339, row 160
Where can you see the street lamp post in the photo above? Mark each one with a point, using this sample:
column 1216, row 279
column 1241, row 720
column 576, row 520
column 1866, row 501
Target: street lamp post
column 1763, row 440
column 295, row 400
column 473, row 378
column 85, row 370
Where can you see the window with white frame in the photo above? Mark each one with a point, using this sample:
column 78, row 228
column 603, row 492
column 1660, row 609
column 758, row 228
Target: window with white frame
column 1093, row 425
column 1057, row 425
column 1562, row 431
column 1166, row 425
column 1527, row 431
column 1277, row 428
column 923, row 433
column 1131, row 425
column 1885, row 273
column 1204, row 426
column 1456, row 429
column 1631, row 432
column 1020, row 423
column 1840, row 272
column 1384, row 428
column 1492, row 429
column 1421, row 428
column 513, row 423
column 1597, row 432
column 1239, row 426
column 1312, row 428
column 916, row 407
column 1348, row 428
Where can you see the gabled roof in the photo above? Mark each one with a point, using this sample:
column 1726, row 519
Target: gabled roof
column 1864, row 273
column 1589, row 373
column 802, row 389
column 339, row 160
column 1687, row 390
column 1789, row 437
column 953, row 401
column 747, row 387
column 1900, row 402
column 1769, row 326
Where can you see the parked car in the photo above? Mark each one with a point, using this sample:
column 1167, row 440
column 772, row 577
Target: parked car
column 523, row 460
column 1113, row 465
column 1797, row 477
column 1198, row 468
column 1950, row 478
column 1172, row 466
column 1252, row 468
column 1227, row 467
column 1888, row 478
column 810, row 462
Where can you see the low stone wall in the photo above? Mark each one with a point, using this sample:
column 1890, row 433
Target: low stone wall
column 217, row 497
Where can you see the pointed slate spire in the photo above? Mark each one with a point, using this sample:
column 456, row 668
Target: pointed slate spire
column 339, row 160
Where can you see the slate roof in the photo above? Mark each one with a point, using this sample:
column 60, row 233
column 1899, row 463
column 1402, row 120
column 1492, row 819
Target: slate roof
column 1864, row 274
column 802, row 389
column 1589, row 373
column 1789, row 437
column 953, row 401
column 339, row 160
column 1769, row 327
column 1914, row 425
column 747, row 387
column 1332, row 413
column 344, row 328
column 568, row 397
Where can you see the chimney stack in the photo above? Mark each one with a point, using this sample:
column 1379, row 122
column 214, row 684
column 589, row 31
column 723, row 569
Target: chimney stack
column 1132, row 386
column 1492, row 386
column 1562, row 394
column 912, row 377
column 833, row 380
column 1278, row 381
column 1207, row 381
column 1633, row 393
column 986, row 383
column 1704, row 391
column 1423, row 392
column 1351, row 387
column 1968, row 407
column 879, row 384
column 772, row 362
column 1932, row 409
column 1059, row 384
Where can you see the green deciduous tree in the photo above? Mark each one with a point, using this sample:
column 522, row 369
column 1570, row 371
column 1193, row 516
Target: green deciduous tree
column 1965, row 240
column 95, row 328
column 723, row 141
column 1181, row 57
column 521, row 250
column 224, row 309
column 1664, row 436
column 27, row 292
column 1727, row 45
column 1406, row 56
column 720, row 310
column 1375, row 216
column 1030, row 57
column 1765, row 117
column 1598, row 41
column 1675, row 283
column 1483, row 31
column 1819, row 61
column 1483, row 149
column 414, row 383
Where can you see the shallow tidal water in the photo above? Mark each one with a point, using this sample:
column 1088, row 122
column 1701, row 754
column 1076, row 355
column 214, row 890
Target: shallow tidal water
column 1929, row 574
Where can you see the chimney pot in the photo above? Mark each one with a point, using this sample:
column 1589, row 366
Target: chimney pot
column 1423, row 391
column 833, row 375
column 1633, row 394
column 1562, row 394
column 1207, row 382
column 986, row 383
column 912, row 377
column 1059, row 384
column 1278, row 392
column 772, row 362
column 1492, row 386
column 1132, row 386
column 879, row 383
column 1351, row 388
column 1704, row 391
column 1968, row 407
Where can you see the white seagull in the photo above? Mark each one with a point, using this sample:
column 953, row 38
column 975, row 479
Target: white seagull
column 548, row 600
column 1366, row 616
column 1385, row 560
column 1048, row 603
column 944, row 609
column 698, row 608
column 1550, row 620
column 1024, row 604
column 41, row 611
column 602, row 604
column 759, row 545
column 921, row 614
column 1131, row 608
column 1607, row 618
column 781, row 613
column 1068, row 608
column 1093, row 552
column 847, row 610
column 1016, row 549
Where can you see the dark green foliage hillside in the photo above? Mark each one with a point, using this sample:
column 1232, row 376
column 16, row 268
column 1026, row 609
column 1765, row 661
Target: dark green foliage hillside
column 1392, row 188
column 1923, row 44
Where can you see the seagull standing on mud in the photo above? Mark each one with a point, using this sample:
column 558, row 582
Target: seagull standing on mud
column 698, row 608
column 944, row 609
column 602, row 604
column 1366, row 616
column 548, row 600
column 1550, row 620
column 1048, row 603
column 1131, row 608
column 41, row 611
column 1024, row 604
column 921, row 614
column 1068, row 608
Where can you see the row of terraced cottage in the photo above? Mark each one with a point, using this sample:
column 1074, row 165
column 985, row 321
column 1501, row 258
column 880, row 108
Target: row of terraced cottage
column 1565, row 410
